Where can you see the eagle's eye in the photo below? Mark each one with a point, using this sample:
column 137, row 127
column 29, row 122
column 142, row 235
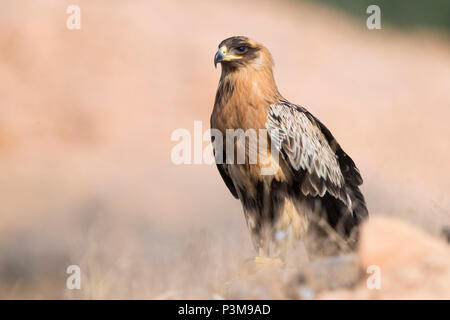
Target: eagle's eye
column 241, row 49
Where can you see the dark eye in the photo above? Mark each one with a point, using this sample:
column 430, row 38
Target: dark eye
column 241, row 49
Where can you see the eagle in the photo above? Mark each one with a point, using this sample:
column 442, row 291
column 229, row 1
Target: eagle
column 311, row 192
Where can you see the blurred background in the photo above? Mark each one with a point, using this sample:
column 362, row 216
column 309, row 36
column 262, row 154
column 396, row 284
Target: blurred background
column 86, row 117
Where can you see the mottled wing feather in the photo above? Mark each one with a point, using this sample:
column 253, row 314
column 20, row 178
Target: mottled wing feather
column 300, row 141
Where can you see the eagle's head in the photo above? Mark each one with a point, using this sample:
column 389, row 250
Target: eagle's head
column 241, row 52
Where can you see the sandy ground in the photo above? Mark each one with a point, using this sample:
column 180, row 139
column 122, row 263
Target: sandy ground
column 86, row 117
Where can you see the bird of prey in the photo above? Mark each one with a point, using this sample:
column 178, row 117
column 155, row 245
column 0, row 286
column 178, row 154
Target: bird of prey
column 313, row 188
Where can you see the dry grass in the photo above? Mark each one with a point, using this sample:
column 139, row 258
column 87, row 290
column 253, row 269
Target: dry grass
column 85, row 124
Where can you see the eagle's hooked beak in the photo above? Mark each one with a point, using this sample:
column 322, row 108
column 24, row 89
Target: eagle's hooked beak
column 220, row 55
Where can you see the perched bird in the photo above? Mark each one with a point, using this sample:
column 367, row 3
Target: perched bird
column 313, row 186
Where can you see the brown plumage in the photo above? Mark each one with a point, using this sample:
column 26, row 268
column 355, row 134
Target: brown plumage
column 313, row 187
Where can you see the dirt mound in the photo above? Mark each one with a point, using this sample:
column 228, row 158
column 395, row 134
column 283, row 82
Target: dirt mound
column 412, row 264
column 394, row 261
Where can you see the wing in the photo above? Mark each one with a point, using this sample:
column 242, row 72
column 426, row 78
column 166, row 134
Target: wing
column 223, row 170
column 227, row 179
column 310, row 152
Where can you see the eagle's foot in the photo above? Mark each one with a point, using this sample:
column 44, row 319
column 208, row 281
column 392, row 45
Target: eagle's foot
column 264, row 261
